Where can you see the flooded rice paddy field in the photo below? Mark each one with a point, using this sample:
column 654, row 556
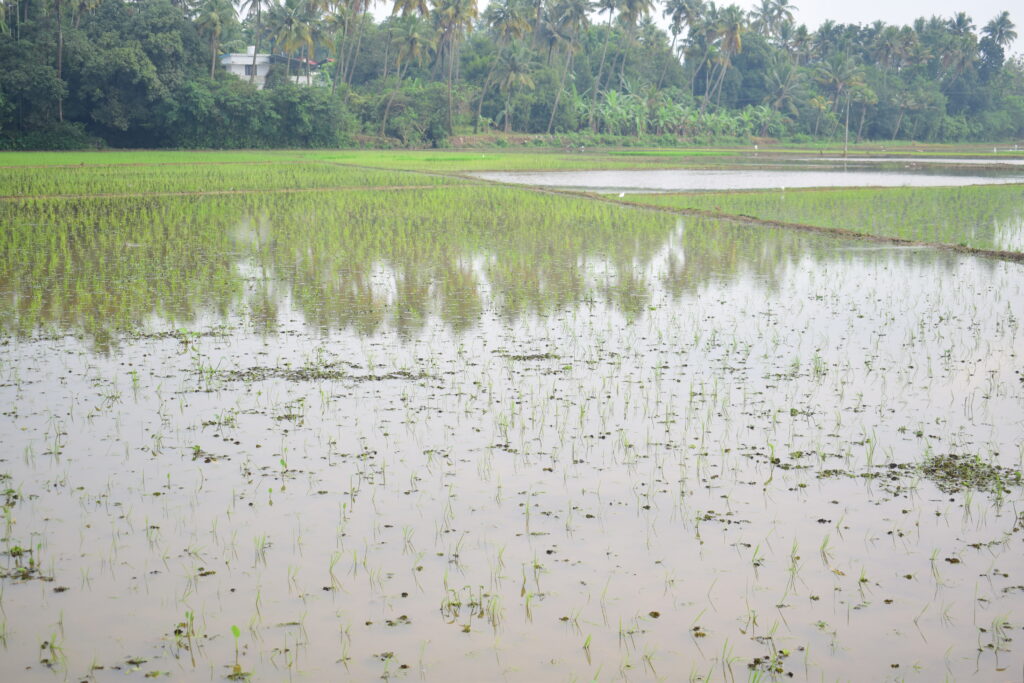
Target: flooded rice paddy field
column 486, row 433
column 982, row 217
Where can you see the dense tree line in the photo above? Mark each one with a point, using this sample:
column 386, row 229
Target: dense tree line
column 147, row 74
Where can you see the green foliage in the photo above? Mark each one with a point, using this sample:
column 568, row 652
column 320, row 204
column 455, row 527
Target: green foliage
column 56, row 136
column 146, row 74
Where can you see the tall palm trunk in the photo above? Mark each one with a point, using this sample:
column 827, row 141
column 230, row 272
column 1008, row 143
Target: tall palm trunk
column 710, row 75
column 339, row 61
column 451, row 67
column 213, row 55
column 721, row 79
column 899, row 122
column 664, row 64
column 391, row 99
column 387, row 53
column 625, row 53
column 256, row 47
column 60, row 58
column 561, row 87
column 693, row 76
column 863, row 115
column 508, row 113
column 600, row 74
column 483, row 93
column 350, row 61
column 717, row 87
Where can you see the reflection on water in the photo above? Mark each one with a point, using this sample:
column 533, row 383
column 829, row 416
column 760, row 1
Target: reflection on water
column 970, row 216
column 361, row 261
column 493, row 435
column 1009, row 233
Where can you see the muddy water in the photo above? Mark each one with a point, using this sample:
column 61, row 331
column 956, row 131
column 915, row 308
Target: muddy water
column 684, row 180
column 694, row 450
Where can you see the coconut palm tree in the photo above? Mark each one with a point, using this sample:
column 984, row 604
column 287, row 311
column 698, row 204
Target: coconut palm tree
column 682, row 14
column 406, row 7
column 291, row 30
column 413, row 39
column 454, row 18
column 785, row 86
column 865, row 97
column 515, row 71
column 58, row 7
column 508, row 21
column 956, row 54
column 571, row 18
column 762, row 18
column 1001, row 30
column 630, row 14
column 731, row 22
column 602, row 6
column 403, row 8
column 961, row 24
column 357, row 11
column 250, row 7
column 78, row 9
column 801, row 43
column 214, row 16
column 885, row 46
column 904, row 101
column 701, row 44
column 784, row 12
column 334, row 28
column 837, row 74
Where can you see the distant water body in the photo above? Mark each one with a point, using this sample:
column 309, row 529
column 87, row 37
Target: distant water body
column 694, row 180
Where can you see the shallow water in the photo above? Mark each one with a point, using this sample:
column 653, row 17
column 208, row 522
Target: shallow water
column 461, row 444
column 685, row 180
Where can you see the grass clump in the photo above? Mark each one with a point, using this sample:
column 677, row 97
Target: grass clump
column 953, row 473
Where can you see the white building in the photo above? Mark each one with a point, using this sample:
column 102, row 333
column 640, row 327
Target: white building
column 241, row 65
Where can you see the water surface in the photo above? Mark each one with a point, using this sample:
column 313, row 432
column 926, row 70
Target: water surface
column 692, row 180
column 498, row 435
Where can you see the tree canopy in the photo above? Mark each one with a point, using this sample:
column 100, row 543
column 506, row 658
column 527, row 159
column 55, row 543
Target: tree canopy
column 147, row 73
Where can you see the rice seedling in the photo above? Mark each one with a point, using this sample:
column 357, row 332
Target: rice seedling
column 200, row 179
column 983, row 217
column 404, row 393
